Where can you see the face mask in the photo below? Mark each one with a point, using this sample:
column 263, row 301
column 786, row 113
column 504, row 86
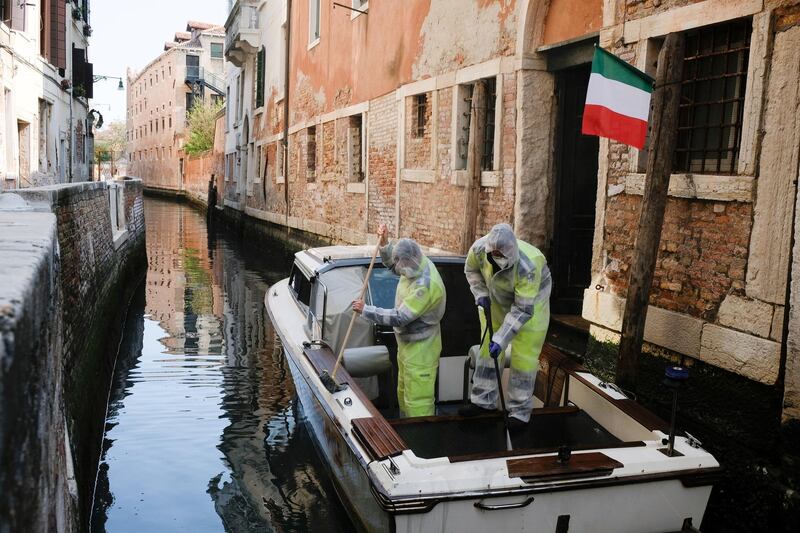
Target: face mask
column 501, row 262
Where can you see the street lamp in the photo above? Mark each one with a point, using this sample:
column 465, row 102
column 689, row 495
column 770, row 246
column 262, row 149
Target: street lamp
column 98, row 77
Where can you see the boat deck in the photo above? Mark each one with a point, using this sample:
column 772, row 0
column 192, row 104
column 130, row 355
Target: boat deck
column 464, row 438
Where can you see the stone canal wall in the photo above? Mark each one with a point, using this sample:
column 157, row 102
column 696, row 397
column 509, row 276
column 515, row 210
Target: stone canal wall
column 69, row 256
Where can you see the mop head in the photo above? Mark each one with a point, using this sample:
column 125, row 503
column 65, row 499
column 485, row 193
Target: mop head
column 329, row 383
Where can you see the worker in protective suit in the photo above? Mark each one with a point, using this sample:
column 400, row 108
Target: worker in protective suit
column 510, row 277
column 419, row 307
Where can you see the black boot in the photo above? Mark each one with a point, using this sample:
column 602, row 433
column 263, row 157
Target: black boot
column 471, row 410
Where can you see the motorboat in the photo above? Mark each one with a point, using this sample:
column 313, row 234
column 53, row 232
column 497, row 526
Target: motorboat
column 591, row 458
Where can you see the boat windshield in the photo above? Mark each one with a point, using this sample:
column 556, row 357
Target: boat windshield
column 382, row 287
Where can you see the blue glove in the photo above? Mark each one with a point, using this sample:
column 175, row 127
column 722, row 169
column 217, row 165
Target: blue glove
column 484, row 302
column 494, row 350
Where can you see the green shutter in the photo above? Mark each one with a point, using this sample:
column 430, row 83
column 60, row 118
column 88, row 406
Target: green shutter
column 260, row 77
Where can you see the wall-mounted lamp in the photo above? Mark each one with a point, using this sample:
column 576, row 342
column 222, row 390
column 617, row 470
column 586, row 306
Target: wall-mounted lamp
column 98, row 77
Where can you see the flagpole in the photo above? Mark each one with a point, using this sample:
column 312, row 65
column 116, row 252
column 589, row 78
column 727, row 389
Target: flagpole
column 663, row 137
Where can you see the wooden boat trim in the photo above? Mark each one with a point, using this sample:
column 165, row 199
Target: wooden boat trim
column 548, row 467
column 323, row 359
column 378, row 437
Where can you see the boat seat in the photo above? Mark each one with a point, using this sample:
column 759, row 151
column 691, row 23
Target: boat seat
column 469, row 365
column 365, row 364
column 367, row 361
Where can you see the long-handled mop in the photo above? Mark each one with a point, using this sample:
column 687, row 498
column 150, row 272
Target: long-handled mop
column 329, row 380
column 490, row 326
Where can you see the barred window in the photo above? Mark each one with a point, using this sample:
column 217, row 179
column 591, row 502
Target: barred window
column 712, row 100
column 420, row 114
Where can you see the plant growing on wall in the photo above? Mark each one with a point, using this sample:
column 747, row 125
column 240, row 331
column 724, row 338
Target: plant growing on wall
column 202, row 119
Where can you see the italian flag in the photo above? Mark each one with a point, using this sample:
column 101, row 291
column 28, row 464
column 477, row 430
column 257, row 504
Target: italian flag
column 618, row 100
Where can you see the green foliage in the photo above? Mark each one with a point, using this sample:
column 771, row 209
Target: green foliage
column 202, row 119
column 111, row 138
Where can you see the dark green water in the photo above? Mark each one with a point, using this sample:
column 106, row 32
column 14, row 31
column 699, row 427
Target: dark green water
column 203, row 431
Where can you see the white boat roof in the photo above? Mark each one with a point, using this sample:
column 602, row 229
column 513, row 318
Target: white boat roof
column 313, row 258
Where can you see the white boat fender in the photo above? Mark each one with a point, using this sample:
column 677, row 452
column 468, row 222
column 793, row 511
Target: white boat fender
column 367, row 361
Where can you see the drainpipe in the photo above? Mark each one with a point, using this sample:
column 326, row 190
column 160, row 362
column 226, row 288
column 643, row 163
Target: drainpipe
column 286, row 109
column 69, row 152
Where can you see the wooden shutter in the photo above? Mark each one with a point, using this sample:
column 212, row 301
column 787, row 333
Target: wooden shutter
column 58, row 34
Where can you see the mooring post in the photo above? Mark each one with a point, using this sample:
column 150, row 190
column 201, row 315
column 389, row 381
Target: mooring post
column 663, row 136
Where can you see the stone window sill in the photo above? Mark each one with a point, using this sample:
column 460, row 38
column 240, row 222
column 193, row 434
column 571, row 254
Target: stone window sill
column 119, row 238
column 418, row 175
column 356, row 187
column 280, row 179
column 723, row 188
column 355, row 14
column 490, row 178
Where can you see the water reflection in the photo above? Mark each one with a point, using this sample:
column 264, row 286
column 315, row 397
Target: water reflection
column 203, row 433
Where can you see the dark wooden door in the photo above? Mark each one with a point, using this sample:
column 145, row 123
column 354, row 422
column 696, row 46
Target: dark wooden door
column 576, row 192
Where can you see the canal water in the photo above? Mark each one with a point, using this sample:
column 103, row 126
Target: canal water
column 203, row 431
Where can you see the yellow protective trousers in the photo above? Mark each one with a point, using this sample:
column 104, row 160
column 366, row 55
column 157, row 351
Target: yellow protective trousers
column 525, row 349
column 417, row 364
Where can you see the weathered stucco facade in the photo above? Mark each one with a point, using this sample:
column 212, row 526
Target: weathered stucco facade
column 46, row 126
column 159, row 97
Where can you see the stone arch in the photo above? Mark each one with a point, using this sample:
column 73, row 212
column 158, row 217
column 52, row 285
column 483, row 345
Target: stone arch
column 530, row 26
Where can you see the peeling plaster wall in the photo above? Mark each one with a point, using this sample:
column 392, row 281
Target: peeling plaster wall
column 445, row 45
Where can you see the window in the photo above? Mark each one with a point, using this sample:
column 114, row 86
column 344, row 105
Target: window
column 313, row 21
column 463, row 109
column 279, row 177
column 156, row 125
column 311, row 153
column 420, row 114
column 163, row 121
column 189, row 104
column 713, row 87
column 260, row 60
column 300, row 285
column 355, row 148
column 170, row 122
column 487, row 156
column 216, row 50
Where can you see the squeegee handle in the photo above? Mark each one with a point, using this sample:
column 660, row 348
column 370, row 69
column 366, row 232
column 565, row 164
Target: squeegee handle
column 490, row 327
column 353, row 317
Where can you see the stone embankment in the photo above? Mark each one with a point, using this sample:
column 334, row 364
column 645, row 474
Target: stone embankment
column 69, row 256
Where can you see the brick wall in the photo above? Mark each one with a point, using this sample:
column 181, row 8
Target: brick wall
column 702, row 255
column 198, row 171
column 81, row 289
column 382, row 160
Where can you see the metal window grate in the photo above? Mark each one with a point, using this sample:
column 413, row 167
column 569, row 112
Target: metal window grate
column 712, row 100
column 420, row 112
column 487, row 158
column 311, row 152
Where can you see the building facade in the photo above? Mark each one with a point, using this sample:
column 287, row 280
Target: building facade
column 45, row 121
column 190, row 69
column 399, row 116
column 443, row 118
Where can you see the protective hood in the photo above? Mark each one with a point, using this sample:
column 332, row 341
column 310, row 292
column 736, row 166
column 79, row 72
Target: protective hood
column 407, row 258
column 502, row 238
